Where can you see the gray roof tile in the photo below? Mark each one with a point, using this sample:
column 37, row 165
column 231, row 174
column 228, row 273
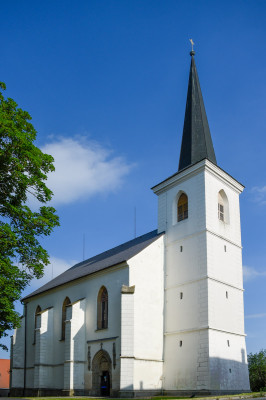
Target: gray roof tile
column 109, row 258
column 196, row 140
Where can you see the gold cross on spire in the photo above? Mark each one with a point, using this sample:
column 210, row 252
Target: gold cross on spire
column 192, row 43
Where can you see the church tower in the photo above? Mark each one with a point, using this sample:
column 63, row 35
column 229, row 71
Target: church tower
column 198, row 209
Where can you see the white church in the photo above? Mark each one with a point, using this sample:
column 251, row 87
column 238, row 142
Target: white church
column 160, row 314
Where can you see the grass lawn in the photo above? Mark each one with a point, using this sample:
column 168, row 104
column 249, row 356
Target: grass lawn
column 242, row 395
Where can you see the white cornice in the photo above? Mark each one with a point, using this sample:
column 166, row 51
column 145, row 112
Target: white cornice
column 203, row 328
column 224, row 176
column 204, row 165
column 205, row 277
column 206, row 230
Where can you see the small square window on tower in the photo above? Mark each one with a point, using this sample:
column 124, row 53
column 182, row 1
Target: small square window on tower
column 180, row 343
column 230, row 370
column 225, row 248
column 181, row 249
column 228, row 343
column 181, row 295
column 226, row 294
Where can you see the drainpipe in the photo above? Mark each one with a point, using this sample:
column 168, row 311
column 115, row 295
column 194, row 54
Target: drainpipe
column 25, row 349
column 11, row 363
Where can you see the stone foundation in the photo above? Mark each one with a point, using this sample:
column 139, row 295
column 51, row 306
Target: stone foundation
column 31, row 392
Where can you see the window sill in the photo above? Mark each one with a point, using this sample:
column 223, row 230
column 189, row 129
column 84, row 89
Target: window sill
column 61, row 340
column 223, row 222
column 101, row 329
column 180, row 222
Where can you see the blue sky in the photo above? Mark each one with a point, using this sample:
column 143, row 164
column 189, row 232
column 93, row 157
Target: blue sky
column 105, row 83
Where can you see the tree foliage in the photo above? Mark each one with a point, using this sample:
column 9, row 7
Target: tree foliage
column 23, row 171
column 257, row 370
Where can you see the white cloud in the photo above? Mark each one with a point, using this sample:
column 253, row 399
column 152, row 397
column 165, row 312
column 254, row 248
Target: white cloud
column 251, row 316
column 56, row 267
column 259, row 194
column 250, row 273
column 83, row 169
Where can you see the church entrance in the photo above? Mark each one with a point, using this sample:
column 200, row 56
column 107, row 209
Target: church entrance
column 101, row 374
column 105, row 384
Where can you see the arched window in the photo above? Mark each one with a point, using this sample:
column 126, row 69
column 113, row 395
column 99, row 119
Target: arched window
column 220, row 207
column 223, row 207
column 65, row 304
column 38, row 310
column 102, row 308
column 182, row 207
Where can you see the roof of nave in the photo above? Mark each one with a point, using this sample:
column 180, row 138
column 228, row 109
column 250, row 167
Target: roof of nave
column 109, row 258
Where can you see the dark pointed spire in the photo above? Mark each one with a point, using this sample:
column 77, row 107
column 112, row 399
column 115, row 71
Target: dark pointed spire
column 196, row 140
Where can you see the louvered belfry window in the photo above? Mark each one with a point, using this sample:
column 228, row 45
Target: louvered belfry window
column 102, row 317
column 222, row 201
column 221, row 212
column 182, row 207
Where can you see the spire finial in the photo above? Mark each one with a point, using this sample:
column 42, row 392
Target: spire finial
column 192, row 53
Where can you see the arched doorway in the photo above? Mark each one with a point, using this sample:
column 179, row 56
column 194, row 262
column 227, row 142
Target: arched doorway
column 101, row 374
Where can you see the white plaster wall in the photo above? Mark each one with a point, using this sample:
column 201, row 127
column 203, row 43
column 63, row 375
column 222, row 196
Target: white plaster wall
column 37, row 353
column 146, row 272
column 127, row 325
column 18, row 355
column 87, row 287
column 127, row 374
column 127, row 341
column 225, row 266
column 225, row 313
column 213, row 184
column 187, row 367
column 77, row 347
column 190, row 312
column 142, row 320
column 68, row 370
column 228, row 363
column 162, row 212
column 58, row 376
column 202, row 237
column 17, row 378
column 188, row 265
column 74, row 346
column 202, row 184
column 30, row 377
column 194, row 187
column 46, row 336
column 43, row 371
column 147, row 375
column 223, row 358
column 18, row 344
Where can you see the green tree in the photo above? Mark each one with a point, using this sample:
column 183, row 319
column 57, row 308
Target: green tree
column 257, row 370
column 23, row 171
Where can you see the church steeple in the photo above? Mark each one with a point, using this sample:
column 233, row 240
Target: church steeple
column 196, row 140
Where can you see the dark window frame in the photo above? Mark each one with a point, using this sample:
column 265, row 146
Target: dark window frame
column 37, row 311
column 66, row 303
column 182, row 207
column 102, row 309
